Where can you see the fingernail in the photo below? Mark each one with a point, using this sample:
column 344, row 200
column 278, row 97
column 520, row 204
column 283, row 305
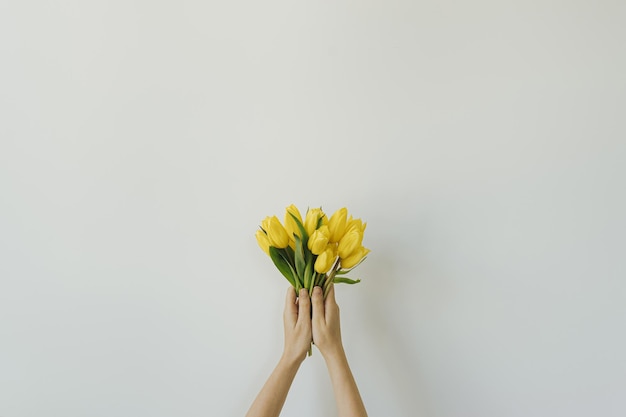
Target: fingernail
column 317, row 289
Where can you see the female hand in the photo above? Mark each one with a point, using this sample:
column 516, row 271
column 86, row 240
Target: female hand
column 326, row 327
column 297, row 324
column 300, row 330
column 327, row 337
column 297, row 321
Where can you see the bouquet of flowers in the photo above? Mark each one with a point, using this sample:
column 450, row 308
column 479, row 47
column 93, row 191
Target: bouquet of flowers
column 316, row 251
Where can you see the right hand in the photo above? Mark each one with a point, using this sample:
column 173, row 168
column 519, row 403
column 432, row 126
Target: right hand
column 326, row 323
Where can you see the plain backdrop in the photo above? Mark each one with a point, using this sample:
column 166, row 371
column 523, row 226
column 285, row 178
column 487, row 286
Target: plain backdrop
column 142, row 142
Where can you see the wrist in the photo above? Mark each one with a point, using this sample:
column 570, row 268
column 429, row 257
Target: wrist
column 335, row 354
column 290, row 360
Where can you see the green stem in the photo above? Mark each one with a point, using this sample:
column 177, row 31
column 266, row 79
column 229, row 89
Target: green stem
column 330, row 278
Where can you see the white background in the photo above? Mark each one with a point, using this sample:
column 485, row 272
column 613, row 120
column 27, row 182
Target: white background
column 142, row 142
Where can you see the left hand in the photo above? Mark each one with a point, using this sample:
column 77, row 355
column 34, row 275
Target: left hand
column 297, row 323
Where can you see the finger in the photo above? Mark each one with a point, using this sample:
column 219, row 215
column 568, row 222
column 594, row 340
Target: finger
column 291, row 309
column 304, row 306
column 318, row 304
column 331, row 309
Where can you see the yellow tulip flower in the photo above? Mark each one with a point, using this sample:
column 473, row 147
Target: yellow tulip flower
column 337, row 224
column 318, row 240
column 290, row 223
column 349, row 243
column 325, row 261
column 356, row 257
column 276, row 233
column 265, row 224
column 263, row 241
column 355, row 224
column 333, row 246
column 312, row 218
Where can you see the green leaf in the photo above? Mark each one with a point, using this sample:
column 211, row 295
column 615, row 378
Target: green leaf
column 320, row 221
column 304, row 236
column 296, row 279
column 283, row 266
column 308, row 277
column 319, row 279
column 290, row 255
column 299, row 260
column 345, row 280
column 309, row 258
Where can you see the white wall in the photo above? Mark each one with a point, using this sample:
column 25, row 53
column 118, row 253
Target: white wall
column 141, row 143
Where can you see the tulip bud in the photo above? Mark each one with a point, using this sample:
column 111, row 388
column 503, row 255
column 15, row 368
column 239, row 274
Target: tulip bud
column 318, row 240
column 337, row 224
column 290, row 224
column 355, row 224
column 276, row 233
column 312, row 219
column 356, row 257
column 349, row 243
column 265, row 224
column 263, row 241
column 325, row 261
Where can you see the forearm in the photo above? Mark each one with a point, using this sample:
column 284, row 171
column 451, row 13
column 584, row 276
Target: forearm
column 347, row 396
column 272, row 397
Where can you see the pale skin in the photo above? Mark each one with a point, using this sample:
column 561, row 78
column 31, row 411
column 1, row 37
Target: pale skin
column 323, row 328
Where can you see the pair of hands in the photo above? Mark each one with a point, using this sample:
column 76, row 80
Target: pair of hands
column 309, row 319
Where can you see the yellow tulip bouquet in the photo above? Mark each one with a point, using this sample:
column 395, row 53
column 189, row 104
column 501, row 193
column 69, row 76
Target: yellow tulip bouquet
column 317, row 251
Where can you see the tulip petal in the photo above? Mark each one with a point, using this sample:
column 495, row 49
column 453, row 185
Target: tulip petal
column 276, row 233
column 263, row 241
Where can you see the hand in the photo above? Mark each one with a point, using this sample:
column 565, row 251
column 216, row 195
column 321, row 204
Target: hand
column 300, row 330
column 297, row 323
column 327, row 337
column 297, row 320
column 326, row 328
